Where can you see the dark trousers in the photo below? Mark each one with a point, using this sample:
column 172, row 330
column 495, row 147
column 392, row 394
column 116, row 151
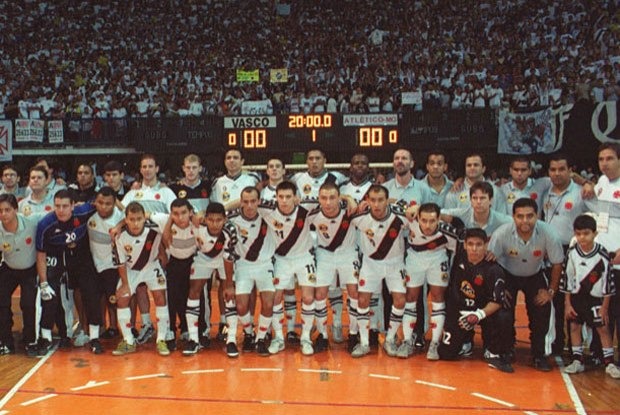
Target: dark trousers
column 541, row 336
column 177, row 280
column 26, row 279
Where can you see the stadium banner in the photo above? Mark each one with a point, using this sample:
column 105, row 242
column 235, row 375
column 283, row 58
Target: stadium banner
column 6, row 140
column 55, row 132
column 527, row 133
column 278, row 75
column 587, row 126
column 411, row 98
column 29, row 130
column 262, row 107
column 247, row 76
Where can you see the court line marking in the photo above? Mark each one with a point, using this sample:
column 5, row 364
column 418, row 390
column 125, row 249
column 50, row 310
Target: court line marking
column 261, row 369
column 90, row 384
column 9, row 395
column 492, row 399
column 39, row 399
column 4, row 412
column 375, row 375
column 196, row 372
column 335, row 372
column 572, row 392
column 530, row 413
column 435, row 385
column 154, row 375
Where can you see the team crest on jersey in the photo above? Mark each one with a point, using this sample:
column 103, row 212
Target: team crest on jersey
column 463, row 197
column 478, row 280
column 593, row 277
column 511, row 198
column 200, row 241
column 278, row 225
column 182, row 194
column 513, row 252
column 444, row 276
column 225, row 196
column 323, row 228
column 307, row 189
column 27, row 210
column 468, row 290
column 72, row 245
column 92, row 224
column 568, row 205
column 534, row 196
column 161, row 280
column 312, row 278
column 112, row 299
column 243, row 232
column 6, row 247
column 139, row 195
column 369, row 233
column 128, row 249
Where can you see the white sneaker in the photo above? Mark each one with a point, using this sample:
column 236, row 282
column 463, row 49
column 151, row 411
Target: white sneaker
column 360, row 350
column 306, row 348
column 81, row 339
column 276, row 346
column 390, row 347
column 432, row 353
column 466, row 350
column 337, row 336
column 613, row 371
column 575, row 367
column 405, row 349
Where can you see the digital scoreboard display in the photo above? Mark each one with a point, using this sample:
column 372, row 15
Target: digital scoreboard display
column 333, row 133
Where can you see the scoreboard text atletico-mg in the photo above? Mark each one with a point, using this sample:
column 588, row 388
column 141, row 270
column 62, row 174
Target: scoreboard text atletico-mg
column 338, row 134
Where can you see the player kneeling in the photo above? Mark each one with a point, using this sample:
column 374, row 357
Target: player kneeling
column 476, row 296
column 137, row 251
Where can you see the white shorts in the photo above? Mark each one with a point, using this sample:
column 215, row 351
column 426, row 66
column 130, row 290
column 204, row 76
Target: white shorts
column 433, row 269
column 248, row 274
column 286, row 269
column 152, row 275
column 374, row 272
column 329, row 265
column 203, row 269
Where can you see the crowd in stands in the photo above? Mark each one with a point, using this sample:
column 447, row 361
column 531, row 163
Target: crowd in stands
column 105, row 59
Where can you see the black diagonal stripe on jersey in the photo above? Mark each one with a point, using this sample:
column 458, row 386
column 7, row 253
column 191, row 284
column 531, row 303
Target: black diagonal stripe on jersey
column 145, row 254
column 595, row 274
column 340, row 234
column 217, row 246
column 256, row 246
column 442, row 240
column 292, row 237
column 388, row 240
column 331, row 178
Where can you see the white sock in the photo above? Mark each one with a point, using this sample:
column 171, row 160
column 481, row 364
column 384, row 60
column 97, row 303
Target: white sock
column 163, row 321
column 320, row 313
column 277, row 321
column 263, row 327
column 124, row 321
column 192, row 311
column 396, row 318
column 438, row 318
column 409, row 320
column 307, row 320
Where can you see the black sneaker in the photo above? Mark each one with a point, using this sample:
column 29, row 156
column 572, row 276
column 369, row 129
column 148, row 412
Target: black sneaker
column 135, row 332
column 205, row 341
column 248, row 343
column 222, row 332
column 352, row 342
column 32, row 350
column 231, row 350
column 191, row 347
column 261, row 348
column 172, row 344
column 292, row 337
column 320, row 344
column 43, row 347
column 419, row 342
column 65, row 343
column 110, row 333
column 6, row 349
column 373, row 338
column 499, row 363
column 95, row 346
column 542, row 364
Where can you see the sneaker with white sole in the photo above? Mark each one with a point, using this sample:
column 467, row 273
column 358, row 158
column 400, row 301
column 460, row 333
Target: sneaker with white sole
column 613, row 371
column 467, row 349
column 432, row 353
column 405, row 349
column 360, row 350
column 306, row 348
column 191, row 348
column 162, row 348
column 575, row 367
column 276, row 346
column 124, row 348
column 145, row 334
column 232, row 350
column 390, row 347
column 81, row 339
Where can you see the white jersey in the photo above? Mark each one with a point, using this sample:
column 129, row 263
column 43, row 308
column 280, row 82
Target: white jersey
column 292, row 232
column 308, row 186
column 420, row 245
column 226, row 189
column 153, row 199
column 256, row 243
column 334, row 234
column 588, row 273
column 268, row 193
column 214, row 250
column 382, row 240
column 607, row 203
column 183, row 244
column 100, row 240
column 141, row 251
column 356, row 191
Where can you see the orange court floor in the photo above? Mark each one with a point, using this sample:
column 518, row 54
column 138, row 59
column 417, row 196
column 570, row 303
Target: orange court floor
column 78, row 382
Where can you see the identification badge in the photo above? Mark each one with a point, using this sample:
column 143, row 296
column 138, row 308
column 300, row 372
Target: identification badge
column 602, row 222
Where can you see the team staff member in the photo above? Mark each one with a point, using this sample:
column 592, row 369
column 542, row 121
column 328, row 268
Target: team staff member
column 10, row 182
column 521, row 248
column 39, row 199
column 113, row 176
column 476, row 295
column 17, row 244
column 63, row 249
column 436, row 179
